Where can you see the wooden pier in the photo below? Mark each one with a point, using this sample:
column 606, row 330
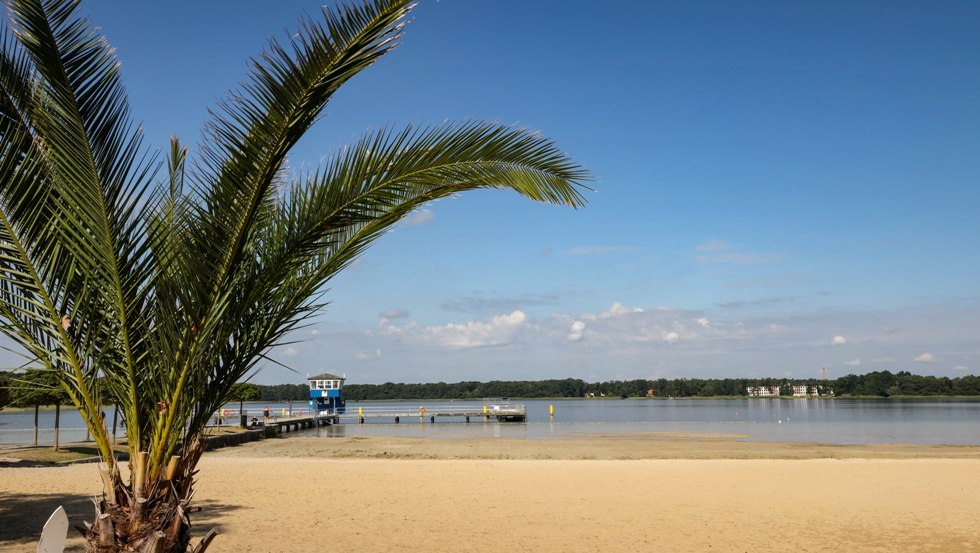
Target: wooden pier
column 281, row 425
column 292, row 424
column 278, row 425
column 501, row 413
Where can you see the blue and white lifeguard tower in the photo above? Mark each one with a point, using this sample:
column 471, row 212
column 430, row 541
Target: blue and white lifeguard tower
column 326, row 395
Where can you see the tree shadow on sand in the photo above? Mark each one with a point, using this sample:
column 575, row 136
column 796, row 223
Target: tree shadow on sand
column 22, row 516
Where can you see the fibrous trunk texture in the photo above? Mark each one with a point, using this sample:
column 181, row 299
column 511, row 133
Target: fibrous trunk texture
column 149, row 514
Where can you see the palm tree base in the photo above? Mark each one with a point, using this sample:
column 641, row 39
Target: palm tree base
column 155, row 520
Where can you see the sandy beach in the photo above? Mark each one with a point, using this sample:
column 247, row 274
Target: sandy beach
column 600, row 493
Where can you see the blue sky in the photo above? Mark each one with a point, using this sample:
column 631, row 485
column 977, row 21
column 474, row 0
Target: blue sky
column 781, row 186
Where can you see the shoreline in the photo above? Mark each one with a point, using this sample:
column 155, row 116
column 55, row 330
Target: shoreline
column 634, row 446
column 587, row 446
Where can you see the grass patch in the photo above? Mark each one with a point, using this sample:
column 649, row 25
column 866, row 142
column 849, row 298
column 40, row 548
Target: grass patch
column 85, row 450
column 66, row 453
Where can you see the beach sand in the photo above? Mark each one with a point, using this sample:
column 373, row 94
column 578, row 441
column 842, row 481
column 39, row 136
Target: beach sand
column 652, row 492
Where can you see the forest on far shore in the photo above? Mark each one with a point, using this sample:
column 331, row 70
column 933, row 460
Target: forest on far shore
column 875, row 384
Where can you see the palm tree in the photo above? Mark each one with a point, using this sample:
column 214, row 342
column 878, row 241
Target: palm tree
column 158, row 290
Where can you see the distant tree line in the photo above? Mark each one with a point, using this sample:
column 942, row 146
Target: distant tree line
column 279, row 393
column 904, row 383
column 877, row 384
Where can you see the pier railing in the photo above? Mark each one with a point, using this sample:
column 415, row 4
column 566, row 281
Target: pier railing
column 509, row 412
column 503, row 412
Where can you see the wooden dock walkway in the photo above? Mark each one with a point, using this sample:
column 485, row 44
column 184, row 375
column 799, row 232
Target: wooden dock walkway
column 278, row 425
column 506, row 413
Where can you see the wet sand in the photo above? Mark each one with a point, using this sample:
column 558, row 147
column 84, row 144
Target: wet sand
column 650, row 492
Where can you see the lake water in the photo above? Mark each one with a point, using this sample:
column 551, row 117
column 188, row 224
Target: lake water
column 835, row 421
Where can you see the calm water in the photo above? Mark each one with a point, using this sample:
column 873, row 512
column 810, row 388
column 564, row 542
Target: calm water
column 837, row 421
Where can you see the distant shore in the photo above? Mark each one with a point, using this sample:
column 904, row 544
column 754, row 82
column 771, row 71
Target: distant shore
column 635, row 492
column 257, row 405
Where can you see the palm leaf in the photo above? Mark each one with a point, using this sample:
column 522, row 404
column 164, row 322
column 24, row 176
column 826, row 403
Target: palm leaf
column 238, row 173
column 72, row 198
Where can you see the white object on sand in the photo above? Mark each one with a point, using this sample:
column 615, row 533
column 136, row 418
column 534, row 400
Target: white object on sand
column 54, row 533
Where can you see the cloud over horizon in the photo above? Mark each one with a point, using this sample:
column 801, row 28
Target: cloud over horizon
column 626, row 341
column 497, row 331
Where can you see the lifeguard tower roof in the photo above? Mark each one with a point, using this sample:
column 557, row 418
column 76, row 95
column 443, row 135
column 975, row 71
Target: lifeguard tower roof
column 326, row 376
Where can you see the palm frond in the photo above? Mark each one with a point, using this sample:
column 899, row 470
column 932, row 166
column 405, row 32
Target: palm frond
column 241, row 165
column 324, row 222
column 73, row 198
column 385, row 176
column 253, row 131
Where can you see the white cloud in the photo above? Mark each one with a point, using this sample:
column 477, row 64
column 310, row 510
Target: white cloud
column 925, row 358
column 420, row 217
column 628, row 342
column 387, row 316
column 498, row 331
column 616, row 310
column 315, row 332
column 577, row 331
column 290, row 351
column 960, row 368
column 838, row 341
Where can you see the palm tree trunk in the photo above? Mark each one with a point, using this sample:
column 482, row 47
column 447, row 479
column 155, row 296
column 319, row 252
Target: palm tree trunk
column 148, row 514
column 36, row 408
